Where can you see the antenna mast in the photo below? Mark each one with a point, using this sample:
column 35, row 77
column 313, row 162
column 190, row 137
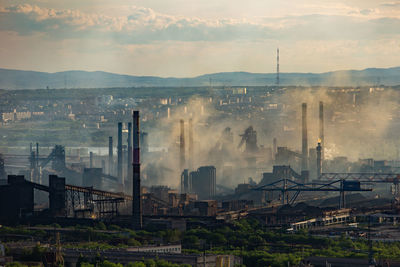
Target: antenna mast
column 277, row 68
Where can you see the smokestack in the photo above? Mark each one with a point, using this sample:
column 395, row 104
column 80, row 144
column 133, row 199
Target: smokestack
column 182, row 146
column 103, row 166
column 110, row 155
column 182, row 150
column 37, row 154
column 137, row 203
column 274, row 148
column 191, row 148
column 119, row 153
column 319, row 160
column 91, row 159
column 304, row 149
column 321, row 128
column 129, row 171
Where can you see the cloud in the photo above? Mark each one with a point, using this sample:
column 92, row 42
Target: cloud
column 391, row 4
column 144, row 25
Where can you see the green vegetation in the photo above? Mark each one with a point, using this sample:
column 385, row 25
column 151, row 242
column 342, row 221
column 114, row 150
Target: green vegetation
column 17, row 264
column 246, row 238
column 146, row 263
column 260, row 247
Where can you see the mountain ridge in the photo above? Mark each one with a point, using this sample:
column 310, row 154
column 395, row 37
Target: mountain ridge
column 27, row 79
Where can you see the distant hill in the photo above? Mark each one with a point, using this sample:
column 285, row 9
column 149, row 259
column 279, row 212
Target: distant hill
column 18, row 79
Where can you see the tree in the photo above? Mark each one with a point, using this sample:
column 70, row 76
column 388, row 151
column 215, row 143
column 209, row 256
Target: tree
column 136, row 264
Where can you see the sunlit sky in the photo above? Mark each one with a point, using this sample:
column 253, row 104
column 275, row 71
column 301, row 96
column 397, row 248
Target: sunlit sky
column 184, row 38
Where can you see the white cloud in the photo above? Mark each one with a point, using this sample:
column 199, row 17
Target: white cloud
column 144, row 25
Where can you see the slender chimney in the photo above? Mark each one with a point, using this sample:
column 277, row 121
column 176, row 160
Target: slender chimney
column 91, row 159
column 110, row 155
column 129, row 170
column 37, row 154
column 304, row 149
column 119, row 153
column 182, row 146
column 103, row 166
column 274, row 148
column 191, row 147
column 182, row 150
column 137, row 203
column 319, row 160
column 321, row 128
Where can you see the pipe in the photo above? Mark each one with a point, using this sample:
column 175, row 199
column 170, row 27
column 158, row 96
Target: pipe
column 110, row 155
column 119, row 153
column 304, row 149
column 321, row 128
column 137, row 200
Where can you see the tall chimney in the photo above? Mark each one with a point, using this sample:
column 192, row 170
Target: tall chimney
column 319, row 160
column 103, row 166
column 182, row 150
column 274, row 148
column 91, row 159
column 182, row 146
column 304, row 148
column 129, row 170
column 110, row 155
column 37, row 154
column 191, row 147
column 137, row 203
column 321, row 128
column 119, row 153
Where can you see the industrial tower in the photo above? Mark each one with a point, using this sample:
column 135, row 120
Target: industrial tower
column 277, row 68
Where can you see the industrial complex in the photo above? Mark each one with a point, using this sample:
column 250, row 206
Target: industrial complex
column 186, row 173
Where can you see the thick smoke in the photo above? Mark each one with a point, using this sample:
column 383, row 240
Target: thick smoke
column 359, row 123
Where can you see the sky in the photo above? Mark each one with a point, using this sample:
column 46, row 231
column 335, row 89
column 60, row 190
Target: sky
column 186, row 38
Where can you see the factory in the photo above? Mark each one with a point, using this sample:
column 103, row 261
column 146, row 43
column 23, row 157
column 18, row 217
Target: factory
column 115, row 191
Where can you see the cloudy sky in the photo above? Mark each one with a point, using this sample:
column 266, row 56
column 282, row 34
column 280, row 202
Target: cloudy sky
column 184, row 38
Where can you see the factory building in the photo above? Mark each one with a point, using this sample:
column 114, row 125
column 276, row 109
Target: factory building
column 204, row 182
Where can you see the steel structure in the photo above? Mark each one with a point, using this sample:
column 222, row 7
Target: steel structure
column 80, row 200
column 393, row 178
column 286, row 185
column 362, row 177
